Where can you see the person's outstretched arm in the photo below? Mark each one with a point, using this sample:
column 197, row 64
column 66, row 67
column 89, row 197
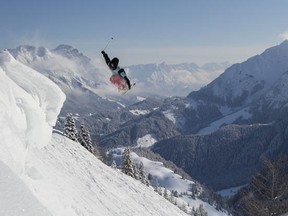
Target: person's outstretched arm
column 106, row 57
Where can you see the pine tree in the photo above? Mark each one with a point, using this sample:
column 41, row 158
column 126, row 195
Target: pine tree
column 166, row 194
column 268, row 194
column 199, row 211
column 70, row 130
column 136, row 171
column 113, row 165
column 160, row 192
column 202, row 211
column 156, row 185
column 171, row 198
column 85, row 139
column 150, row 178
column 96, row 151
column 127, row 164
column 193, row 189
column 142, row 176
column 196, row 212
column 184, row 207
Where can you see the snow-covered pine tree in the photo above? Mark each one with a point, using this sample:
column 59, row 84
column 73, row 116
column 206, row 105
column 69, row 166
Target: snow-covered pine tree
column 160, row 192
column 171, row 198
column 202, row 210
column 82, row 136
column 113, row 165
column 193, row 189
column 142, row 176
column 70, row 130
column 150, row 178
column 184, row 207
column 156, row 185
column 96, row 151
column 199, row 211
column 127, row 164
column 166, row 194
column 136, row 171
column 85, row 139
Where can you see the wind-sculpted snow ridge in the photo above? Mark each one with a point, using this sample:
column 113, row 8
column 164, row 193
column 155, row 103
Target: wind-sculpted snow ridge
column 29, row 105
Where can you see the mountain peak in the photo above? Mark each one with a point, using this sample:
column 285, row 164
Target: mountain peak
column 280, row 50
column 69, row 51
column 284, row 43
column 247, row 82
column 28, row 53
column 5, row 56
column 39, row 51
column 65, row 47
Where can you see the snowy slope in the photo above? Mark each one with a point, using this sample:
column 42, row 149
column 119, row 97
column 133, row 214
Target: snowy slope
column 166, row 178
column 228, row 119
column 242, row 83
column 27, row 112
column 16, row 198
column 43, row 176
column 68, row 180
column 249, row 91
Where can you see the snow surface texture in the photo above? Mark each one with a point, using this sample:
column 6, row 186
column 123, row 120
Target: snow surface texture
column 229, row 119
column 76, row 183
column 16, row 198
column 146, row 141
column 43, row 176
column 256, row 75
column 29, row 104
column 166, row 178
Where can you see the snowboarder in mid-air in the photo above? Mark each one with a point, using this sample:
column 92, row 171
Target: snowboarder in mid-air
column 115, row 69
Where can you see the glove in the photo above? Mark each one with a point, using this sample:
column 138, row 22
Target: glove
column 103, row 52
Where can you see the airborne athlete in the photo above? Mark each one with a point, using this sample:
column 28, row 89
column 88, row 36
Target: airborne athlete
column 119, row 77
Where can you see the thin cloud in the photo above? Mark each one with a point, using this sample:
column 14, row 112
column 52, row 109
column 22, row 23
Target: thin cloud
column 198, row 54
column 284, row 36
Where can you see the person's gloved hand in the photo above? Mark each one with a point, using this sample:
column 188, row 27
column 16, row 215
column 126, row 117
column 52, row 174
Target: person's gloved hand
column 103, row 52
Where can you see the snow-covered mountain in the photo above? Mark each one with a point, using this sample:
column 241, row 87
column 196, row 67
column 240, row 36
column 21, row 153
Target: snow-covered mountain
column 253, row 93
column 47, row 174
column 73, row 72
column 86, row 82
column 175, row 79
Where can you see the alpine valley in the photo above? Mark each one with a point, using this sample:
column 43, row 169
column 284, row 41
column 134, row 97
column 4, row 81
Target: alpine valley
column 214, row 124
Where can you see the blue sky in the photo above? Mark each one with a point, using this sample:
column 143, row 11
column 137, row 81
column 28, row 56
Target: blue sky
column 148, row 31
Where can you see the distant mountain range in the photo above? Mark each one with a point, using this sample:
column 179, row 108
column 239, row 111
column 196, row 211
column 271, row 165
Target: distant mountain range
column 249, row 99
column 86, row 81
column 252, row 95
column 176, row 79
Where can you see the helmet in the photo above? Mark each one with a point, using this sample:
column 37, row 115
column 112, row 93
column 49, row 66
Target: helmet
column 113, row 63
